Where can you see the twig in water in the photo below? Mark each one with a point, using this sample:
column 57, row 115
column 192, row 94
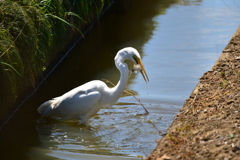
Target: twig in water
column 160, row 132
column 129, row 93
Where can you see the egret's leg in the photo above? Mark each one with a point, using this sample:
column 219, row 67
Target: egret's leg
column 84, row 120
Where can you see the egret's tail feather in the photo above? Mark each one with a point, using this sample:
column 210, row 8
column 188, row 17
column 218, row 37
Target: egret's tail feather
column 46, row 108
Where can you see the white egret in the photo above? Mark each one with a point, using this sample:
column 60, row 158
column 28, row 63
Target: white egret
column 86, row 100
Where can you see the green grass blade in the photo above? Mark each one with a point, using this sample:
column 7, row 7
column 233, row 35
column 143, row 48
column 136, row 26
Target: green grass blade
column 74, row 14
column 11, row 67
column 66, row 22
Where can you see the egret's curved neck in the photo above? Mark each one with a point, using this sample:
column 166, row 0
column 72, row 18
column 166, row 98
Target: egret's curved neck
column 119, row 88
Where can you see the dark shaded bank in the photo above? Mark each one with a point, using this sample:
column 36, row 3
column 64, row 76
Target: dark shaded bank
column 208, row 125
column 34, row 36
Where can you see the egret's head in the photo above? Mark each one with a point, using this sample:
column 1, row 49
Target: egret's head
column 133, row 55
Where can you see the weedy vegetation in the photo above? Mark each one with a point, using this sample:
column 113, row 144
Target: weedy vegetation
column 32, row 32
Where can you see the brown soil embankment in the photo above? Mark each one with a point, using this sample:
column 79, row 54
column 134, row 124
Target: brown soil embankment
column 208, row 126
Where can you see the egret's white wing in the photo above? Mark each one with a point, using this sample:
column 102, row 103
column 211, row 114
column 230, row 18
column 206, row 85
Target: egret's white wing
column 78, row 104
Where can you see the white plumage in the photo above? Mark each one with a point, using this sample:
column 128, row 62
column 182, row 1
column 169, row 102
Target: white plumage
column 86, row 100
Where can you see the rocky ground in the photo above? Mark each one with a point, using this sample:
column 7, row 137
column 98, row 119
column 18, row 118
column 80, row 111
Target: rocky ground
column 208, row 126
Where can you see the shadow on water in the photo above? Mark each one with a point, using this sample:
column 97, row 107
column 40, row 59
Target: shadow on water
column 120, row 133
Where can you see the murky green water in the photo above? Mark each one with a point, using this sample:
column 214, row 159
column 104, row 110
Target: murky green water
column 179, row 40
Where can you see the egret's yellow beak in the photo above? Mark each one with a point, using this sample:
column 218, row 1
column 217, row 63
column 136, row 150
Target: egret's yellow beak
column 143, row 71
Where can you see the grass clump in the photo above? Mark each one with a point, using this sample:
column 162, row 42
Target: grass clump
column 32, row 32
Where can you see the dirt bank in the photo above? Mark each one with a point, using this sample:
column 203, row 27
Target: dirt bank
column 208, row 126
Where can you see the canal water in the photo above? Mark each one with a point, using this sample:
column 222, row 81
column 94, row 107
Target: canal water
column 178, row 40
